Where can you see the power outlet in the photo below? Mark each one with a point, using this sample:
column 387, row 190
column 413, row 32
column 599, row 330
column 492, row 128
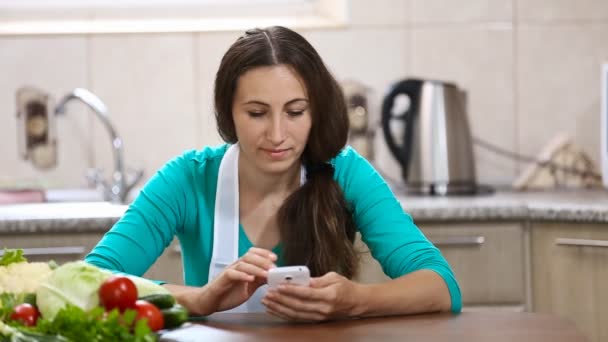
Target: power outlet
column 36, row 127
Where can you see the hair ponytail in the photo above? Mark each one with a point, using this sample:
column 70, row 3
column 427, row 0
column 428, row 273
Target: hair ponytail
column 317, row 227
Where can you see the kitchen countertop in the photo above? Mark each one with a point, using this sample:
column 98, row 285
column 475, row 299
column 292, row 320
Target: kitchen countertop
column 565, row 205
column 589, row 206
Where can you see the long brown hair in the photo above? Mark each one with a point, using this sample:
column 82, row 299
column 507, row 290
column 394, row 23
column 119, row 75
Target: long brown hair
column 315, row 222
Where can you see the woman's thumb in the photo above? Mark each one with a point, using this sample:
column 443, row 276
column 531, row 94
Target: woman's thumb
column 323, row 281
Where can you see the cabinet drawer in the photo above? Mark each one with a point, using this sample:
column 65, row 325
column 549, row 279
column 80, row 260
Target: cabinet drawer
column 487, row 259
column 59, row 247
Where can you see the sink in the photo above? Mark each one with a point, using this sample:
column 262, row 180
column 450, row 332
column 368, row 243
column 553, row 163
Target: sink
column 43, row 212
column 18, row 196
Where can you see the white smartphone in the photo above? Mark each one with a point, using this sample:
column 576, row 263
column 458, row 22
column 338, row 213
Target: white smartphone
column 294, row 275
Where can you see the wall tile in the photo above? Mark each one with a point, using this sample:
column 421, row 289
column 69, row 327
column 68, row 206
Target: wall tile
column 529, row 11
column 374, row 57
column 56, row 65
column 379, row 13
column 147, row 82
column 448, row 11
column 210, row 49
column 559, row 84
column 481, row 62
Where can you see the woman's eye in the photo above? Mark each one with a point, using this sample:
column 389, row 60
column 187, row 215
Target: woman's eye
column 295, row 112
column 256, row 114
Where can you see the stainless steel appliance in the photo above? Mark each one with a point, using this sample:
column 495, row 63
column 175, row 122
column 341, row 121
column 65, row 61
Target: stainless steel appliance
column 426, row 129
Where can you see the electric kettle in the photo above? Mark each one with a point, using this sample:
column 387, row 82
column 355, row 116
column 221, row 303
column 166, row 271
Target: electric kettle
column 430, row 137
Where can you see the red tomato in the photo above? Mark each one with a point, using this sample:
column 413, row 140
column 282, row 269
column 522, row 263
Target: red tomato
column 117, row 292
column 26, row 313
column 149, row 311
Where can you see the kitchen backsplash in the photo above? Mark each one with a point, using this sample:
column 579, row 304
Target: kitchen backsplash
column 530, row 68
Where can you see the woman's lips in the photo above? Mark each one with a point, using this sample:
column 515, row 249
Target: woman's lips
column 276, row 153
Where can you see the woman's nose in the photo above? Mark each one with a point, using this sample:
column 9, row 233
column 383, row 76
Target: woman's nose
column 276, row 129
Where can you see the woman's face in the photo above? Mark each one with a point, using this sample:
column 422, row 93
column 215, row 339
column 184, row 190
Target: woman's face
column 272, row 117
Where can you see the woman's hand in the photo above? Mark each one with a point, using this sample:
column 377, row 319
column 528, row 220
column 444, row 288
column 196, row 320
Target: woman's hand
column 237, row 282
column 331, row 296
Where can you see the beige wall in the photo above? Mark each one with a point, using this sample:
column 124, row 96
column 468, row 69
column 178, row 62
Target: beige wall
column 530, row 67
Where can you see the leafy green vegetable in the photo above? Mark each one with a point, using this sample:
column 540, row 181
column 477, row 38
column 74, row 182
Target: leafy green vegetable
column 12, row 256
column 73, row 283
column 76, row 324
column 18, row 334
column 7, row 303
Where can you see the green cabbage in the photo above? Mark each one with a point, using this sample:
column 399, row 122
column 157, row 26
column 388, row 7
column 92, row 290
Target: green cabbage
column 74, row 283
column 77, row 283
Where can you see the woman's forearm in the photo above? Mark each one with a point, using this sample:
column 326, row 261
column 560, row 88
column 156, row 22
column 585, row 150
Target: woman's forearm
column 194, row 299
column 418, row 292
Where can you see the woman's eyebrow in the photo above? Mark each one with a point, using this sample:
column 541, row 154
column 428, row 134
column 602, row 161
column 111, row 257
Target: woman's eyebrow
column 296, row 100
column 266, row 104
column 256, row 102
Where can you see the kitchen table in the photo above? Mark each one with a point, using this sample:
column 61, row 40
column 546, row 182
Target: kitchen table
column 467, row 326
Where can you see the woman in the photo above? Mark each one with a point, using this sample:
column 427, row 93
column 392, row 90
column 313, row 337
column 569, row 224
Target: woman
column 284, row 191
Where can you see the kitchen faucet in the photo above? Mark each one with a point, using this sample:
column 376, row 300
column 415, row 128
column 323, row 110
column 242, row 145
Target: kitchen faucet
column 117, row 190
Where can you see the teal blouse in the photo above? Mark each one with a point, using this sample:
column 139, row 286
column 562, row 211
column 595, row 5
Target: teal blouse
column 179, row 200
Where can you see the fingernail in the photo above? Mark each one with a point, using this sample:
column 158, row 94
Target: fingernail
column 273, row 256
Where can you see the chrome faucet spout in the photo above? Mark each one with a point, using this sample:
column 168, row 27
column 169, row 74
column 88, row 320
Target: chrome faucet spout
column 118, row 189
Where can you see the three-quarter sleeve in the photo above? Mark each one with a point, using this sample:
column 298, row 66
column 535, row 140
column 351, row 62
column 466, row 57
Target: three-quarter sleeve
column 390, row 233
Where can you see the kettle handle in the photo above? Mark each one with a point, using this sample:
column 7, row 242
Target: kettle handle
column 411, row 88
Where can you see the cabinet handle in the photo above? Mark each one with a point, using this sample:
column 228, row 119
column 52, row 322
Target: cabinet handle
column 452, row 241
column 581, row 242
column 76, row 250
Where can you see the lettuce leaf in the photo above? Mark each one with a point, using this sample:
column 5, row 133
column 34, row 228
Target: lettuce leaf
column 12, row 256
column 76, row 324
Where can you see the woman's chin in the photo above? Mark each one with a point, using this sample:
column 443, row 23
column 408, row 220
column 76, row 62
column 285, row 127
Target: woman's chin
column 277, row 167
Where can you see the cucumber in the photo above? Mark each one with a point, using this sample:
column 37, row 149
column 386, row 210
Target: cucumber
column 161, row 301
column 174, row 316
